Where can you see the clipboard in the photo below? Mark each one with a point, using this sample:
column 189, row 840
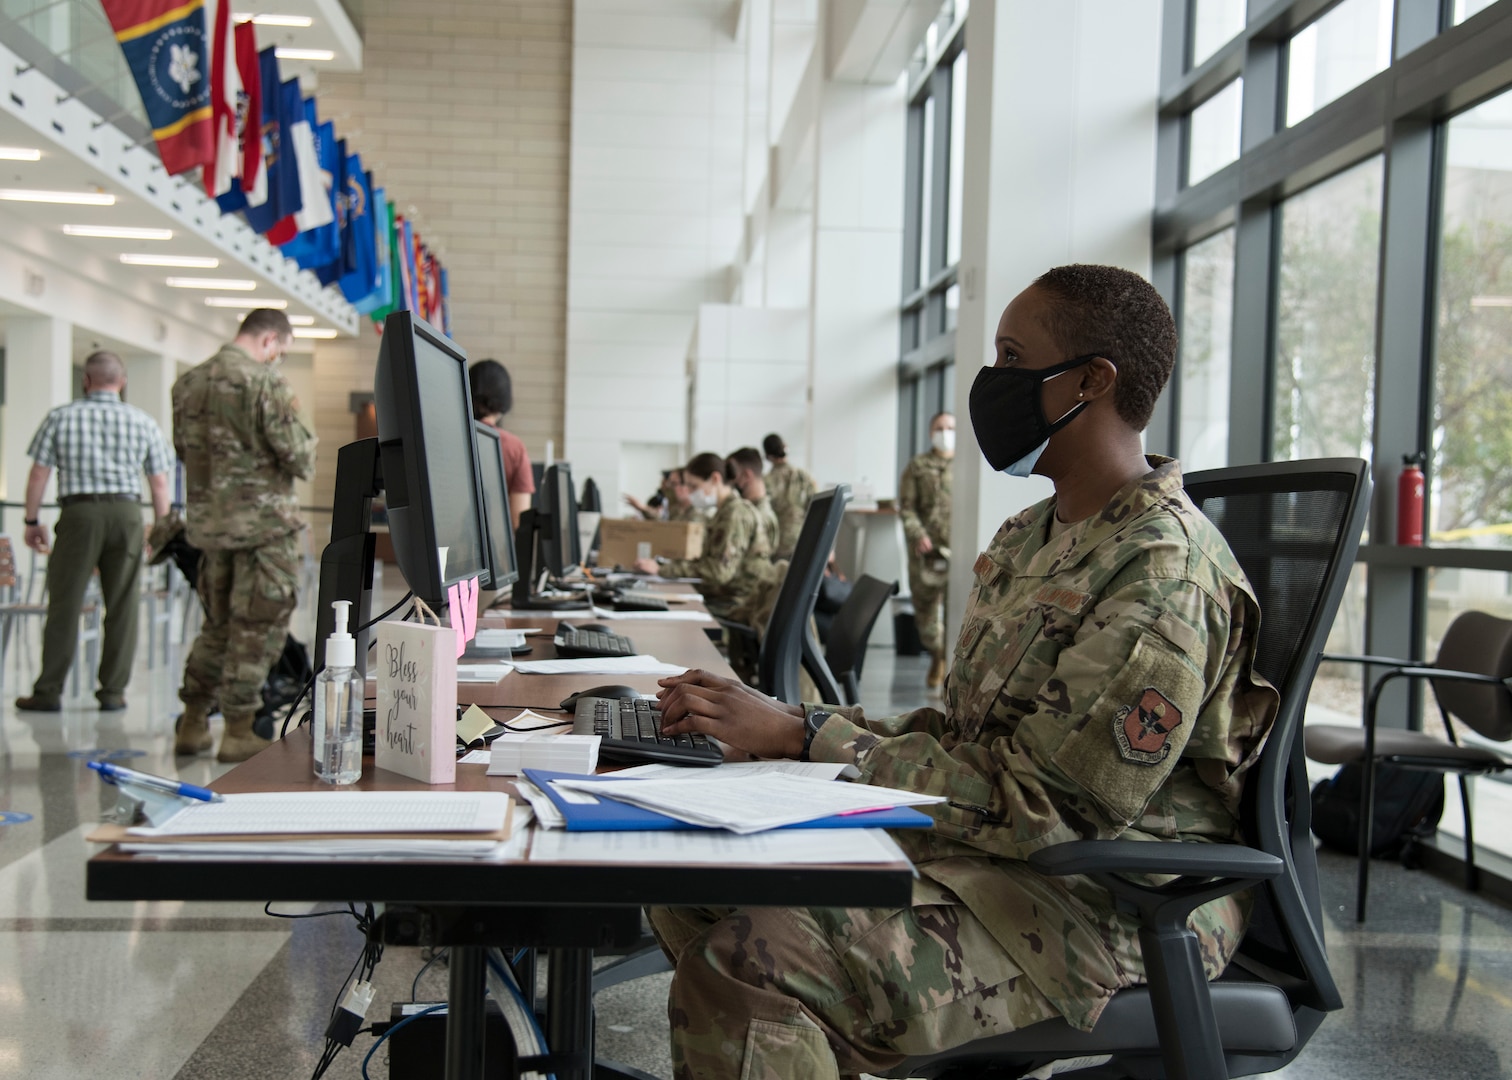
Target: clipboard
column 611, row 815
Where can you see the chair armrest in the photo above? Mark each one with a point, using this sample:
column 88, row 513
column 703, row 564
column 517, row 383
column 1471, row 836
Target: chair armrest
column 1385, row 661
column 1453, row 676
column 1146, row 857
column 736, row 627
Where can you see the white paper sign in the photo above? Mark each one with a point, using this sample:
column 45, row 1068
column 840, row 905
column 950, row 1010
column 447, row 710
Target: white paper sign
column 417, row 701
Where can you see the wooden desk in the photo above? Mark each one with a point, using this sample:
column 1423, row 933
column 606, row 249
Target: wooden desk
column 566, row 909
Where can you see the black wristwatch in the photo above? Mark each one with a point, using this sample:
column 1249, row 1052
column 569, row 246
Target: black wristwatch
column 30, row 523
column 811, row 725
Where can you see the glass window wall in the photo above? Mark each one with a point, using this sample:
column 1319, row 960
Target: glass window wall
column 1335, row 53
column 1330, row 239
column 1471, row 438
column 1202, row 367
column 1213, row 133
column 1214, row 24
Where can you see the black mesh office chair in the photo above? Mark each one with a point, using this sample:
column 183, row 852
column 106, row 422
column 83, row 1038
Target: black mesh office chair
column 789, row 641
column 1295, row 528
column 845, row 652
column 1470, row 682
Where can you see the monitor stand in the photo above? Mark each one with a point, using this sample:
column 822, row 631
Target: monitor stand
column 527, row 596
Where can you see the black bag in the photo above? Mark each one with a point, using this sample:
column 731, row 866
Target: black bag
column 1408, row 805
column 286, row 681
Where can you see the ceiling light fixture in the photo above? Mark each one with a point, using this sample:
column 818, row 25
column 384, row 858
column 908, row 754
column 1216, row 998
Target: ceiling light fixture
column 314, row 332
column 301, row 320
column 188, row 262
column 304, row 54
column 235, row 284
column 69, row 198
column 1491, row 301
column 19, row 153
column 118, row 232
column 245, row 302
column 300, row 21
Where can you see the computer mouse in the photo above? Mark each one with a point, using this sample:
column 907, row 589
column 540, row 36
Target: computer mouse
column 623, row 692
column 595, row 628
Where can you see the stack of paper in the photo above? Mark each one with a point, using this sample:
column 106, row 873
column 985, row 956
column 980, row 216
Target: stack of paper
column 500, row 639
column 748, row 804
column 334, row 825
column 482, row 673
column 654, row 616
column 512, row 753
column 811, row 846
column 600, row 665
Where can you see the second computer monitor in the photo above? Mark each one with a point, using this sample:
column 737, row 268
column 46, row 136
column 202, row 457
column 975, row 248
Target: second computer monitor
column 502, row 568
column 561, row 548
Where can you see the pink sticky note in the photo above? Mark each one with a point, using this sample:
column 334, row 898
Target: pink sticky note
column 470, row 608
column 456, row 617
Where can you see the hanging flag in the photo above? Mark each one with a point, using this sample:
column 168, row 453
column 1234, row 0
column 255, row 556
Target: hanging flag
column 404, row 264
column 390, row 303
column 321, row 245
column 358, row 282
column 252, row 189
column 445, row 304
column 412, row 258
column 330, row 272
column 281, row 107
column 165, row 45
column 314, row 183
column 225, row 95
column 383, row 281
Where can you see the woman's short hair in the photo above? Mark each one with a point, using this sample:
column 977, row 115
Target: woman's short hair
column 492, row 390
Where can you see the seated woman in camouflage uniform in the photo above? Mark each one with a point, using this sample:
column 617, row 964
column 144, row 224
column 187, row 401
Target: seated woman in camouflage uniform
column 736, row 562
column 1102, row 686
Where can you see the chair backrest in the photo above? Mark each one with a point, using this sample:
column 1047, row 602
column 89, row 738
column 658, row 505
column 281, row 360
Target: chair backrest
column 1476, row 641
column 1294, row 528
column 782, row 644
column 845, row 651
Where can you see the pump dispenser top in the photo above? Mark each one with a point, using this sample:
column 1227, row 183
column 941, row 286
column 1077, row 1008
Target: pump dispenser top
column 341, row 647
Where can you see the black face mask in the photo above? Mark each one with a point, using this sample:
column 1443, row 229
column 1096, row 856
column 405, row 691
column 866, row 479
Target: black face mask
column 1009, row 417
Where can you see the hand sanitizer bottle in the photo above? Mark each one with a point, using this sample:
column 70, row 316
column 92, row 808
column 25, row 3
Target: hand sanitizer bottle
column 337, row 727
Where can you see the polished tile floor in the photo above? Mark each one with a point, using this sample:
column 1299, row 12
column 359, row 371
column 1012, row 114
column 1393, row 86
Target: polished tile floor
column 213, row 991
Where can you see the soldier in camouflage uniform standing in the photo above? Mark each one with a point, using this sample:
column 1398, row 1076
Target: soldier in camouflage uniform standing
column 737, row 548
column 790, row 489
column 924, row 506
column 243, row 445
column 1102, row 686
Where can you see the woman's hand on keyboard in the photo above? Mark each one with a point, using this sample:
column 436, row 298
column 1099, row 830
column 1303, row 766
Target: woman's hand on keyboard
column 731, row 712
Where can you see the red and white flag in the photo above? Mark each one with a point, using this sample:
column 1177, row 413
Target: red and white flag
column 225, row 94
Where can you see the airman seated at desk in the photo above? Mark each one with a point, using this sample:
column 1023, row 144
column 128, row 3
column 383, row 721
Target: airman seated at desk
column 738, row 542
column 1102, row 686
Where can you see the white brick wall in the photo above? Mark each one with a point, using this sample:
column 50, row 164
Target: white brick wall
column 462, row 113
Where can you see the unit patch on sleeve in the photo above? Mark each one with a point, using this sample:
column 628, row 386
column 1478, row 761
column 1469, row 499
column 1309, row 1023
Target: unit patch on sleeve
column 1142, row 728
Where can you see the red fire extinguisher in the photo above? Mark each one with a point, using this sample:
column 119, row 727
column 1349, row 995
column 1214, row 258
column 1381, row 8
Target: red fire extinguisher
column 1410, row 501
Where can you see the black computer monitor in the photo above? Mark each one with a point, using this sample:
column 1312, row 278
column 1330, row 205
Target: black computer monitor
column 425, row 462
column 557, row 514
column 430, row 458
column 502, row 569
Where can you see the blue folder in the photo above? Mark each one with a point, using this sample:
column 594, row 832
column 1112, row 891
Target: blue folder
column 611, row 815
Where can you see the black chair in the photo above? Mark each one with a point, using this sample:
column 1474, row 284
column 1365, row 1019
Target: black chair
column 845, row 652
column 789, row 641
column 1294, row 528
column 1470, row 682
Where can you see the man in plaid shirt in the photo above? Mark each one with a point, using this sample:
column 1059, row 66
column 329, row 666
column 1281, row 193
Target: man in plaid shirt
column 101, row 447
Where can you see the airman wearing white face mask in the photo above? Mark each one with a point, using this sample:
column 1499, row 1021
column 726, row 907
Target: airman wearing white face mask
column 924, row 504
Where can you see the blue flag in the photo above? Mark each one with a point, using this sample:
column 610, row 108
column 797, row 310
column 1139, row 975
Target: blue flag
column 383, row 277
column 329, row 273
column 362, row 226
column 282, row 109
column 321, row 245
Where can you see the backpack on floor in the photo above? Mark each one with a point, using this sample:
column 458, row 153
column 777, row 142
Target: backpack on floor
column 1408, row 805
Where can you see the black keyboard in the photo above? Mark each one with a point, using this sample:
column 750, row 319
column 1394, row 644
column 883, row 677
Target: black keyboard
column 630, row 731
column 572, row 643
column 638, row 600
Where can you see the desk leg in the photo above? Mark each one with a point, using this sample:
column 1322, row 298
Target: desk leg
column 569, row 1008
column 464, row 1016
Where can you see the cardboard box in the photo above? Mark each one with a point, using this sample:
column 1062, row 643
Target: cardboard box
column 623, row 540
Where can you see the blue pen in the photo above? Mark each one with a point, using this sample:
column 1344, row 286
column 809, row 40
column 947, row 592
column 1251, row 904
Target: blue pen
column 117, row 774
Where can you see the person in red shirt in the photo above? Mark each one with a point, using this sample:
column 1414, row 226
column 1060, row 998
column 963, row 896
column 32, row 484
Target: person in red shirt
column 492, row 398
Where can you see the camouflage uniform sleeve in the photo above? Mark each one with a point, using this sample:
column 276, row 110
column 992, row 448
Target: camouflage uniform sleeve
column 1097, row 743
column 724, row 549
column 291, row 443
column 908, row 505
